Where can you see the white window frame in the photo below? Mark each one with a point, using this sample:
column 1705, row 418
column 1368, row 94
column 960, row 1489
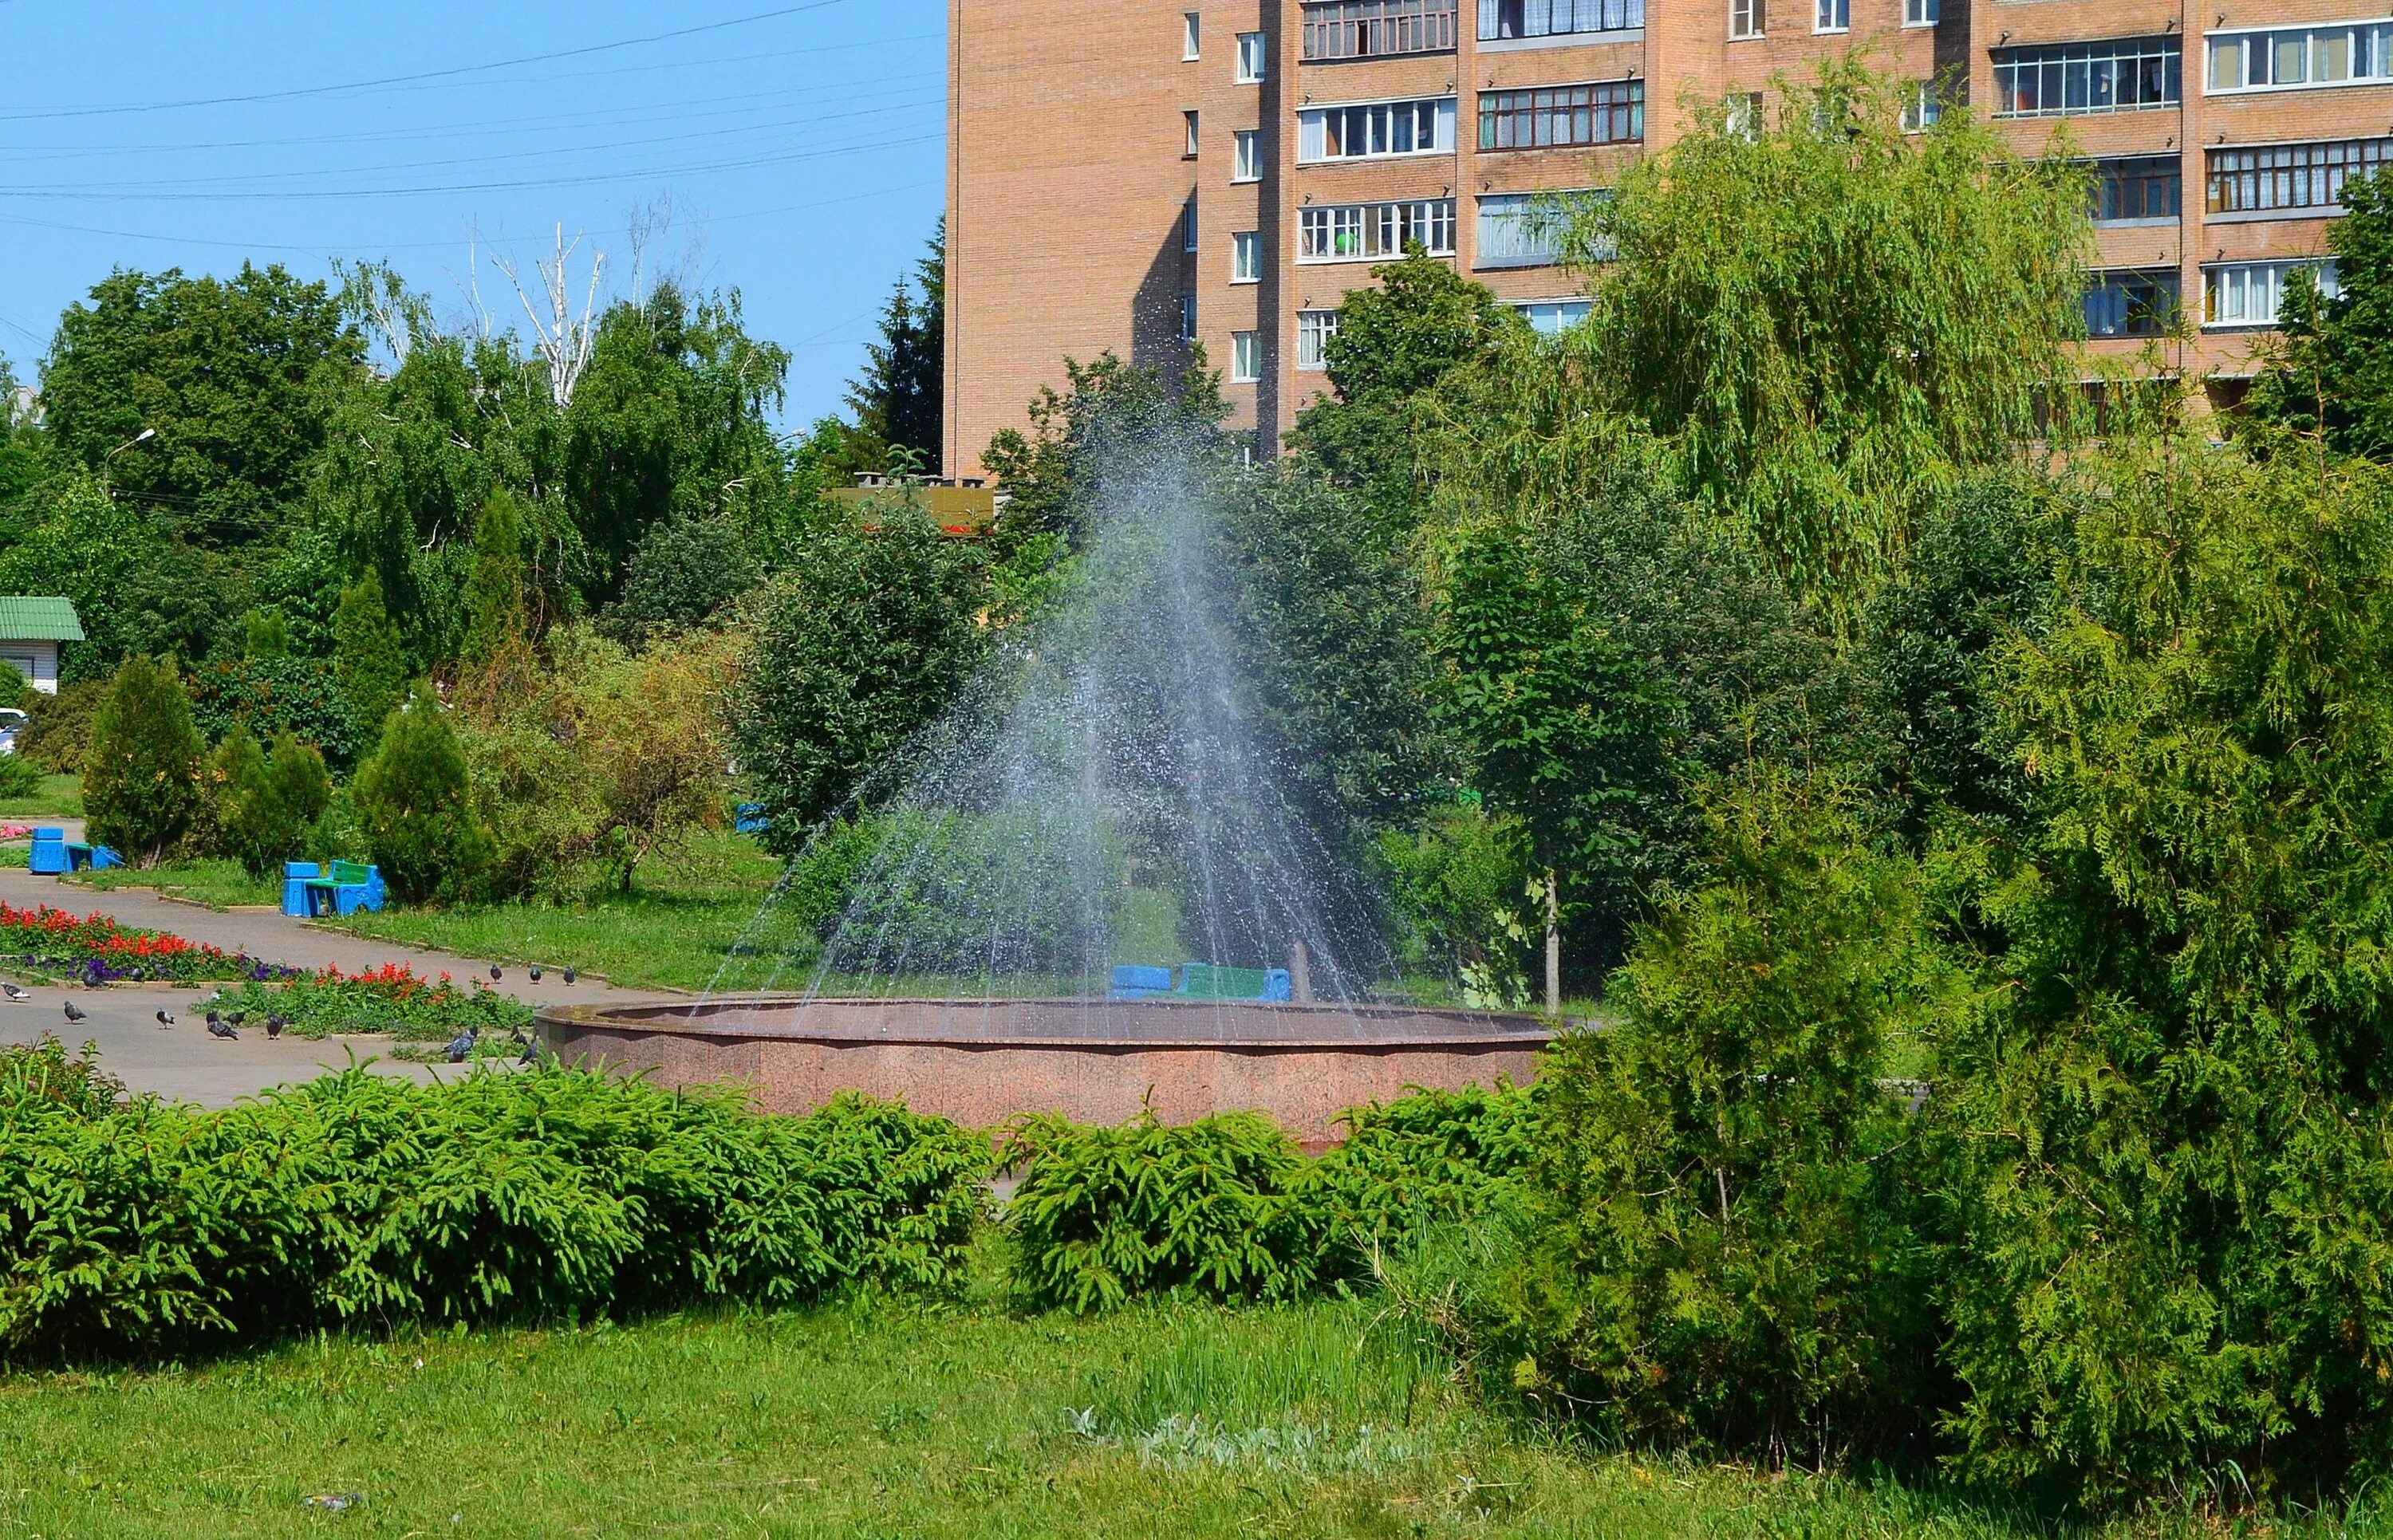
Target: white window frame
column 1246, row 155
column 1192, row 138
column 1922, row 105
column 1745, row 114
column 1254, row 59
column 1921, row 13
column 1246, row 358
column 1538, row 221
column 1313, row 330
column 2242, row 283
column 1373, row 232
column 1562, row 310
column 1384, row 117
column 1191, row 35
column 2369, row 43
column 1832, row 16
column 1246, row 256
column 1747, row 20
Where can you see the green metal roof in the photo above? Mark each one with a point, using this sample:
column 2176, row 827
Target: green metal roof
column 23, row 620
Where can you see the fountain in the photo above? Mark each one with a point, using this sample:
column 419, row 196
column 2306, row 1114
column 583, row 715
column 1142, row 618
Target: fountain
column 1086, row 889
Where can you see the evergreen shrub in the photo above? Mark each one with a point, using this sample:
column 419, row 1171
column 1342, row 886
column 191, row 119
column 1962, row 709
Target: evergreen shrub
column 267, row 803
column 369, row 656
column 142, row 785
column 414, row 810
column 58, row 734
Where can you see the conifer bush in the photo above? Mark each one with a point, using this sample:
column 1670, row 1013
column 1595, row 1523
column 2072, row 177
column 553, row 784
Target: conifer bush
column 142, row 784
column 369, row 657
column 414, row 810
column 266, row 804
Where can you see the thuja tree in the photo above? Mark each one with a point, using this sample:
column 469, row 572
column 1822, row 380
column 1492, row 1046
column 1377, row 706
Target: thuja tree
column 142, row 785
column 415, row 808
column 1829, row 318
column 2333, row 373
column 2174, row 1128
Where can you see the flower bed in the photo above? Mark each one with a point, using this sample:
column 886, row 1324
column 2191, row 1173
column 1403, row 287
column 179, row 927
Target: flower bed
column 390, row 999
column 94, row 950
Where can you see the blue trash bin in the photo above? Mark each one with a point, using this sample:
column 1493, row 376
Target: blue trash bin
column 296, row 877
column 48, row 857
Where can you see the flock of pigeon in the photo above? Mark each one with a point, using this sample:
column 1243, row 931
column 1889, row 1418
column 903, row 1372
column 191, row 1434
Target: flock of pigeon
column 227, row 1025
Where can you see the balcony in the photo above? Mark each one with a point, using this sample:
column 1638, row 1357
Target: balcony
column 1378, row 29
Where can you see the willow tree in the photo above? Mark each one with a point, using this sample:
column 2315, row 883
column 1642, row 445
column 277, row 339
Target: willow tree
column 1830, row 320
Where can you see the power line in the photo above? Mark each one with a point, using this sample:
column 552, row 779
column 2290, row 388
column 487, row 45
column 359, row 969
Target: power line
column 300, row 92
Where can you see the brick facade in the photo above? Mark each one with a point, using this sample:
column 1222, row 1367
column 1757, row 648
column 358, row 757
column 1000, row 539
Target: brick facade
column 1069, row 180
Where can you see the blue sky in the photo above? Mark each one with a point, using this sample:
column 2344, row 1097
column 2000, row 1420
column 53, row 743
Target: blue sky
column 799, row 147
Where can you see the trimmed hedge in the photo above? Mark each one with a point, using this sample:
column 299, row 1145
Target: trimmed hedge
column 141, row 1229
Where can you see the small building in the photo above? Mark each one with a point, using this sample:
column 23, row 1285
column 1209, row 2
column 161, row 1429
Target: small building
column 31, row 630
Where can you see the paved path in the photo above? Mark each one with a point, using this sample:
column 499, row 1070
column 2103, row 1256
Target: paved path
column 184, row 1062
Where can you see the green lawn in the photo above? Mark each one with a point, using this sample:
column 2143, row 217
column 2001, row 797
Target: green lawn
column 879, row 1421
column 218, row 884
column 59, row 797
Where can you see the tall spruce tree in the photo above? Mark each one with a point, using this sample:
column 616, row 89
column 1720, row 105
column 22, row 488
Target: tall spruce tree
column 900, row 401
column 368, row 656
column 141, row 786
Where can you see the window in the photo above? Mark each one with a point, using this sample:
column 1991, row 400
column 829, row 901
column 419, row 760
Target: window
column 1188, row 34
column 1921, row 107
column 2068, row 78
column 1350, row 232
column 1551, row 316
column 1833, row 15
column 2248, row 294
column 1246, row 155
column 1313, row 330
column 1188, row 317
column 2138, row 189
column 1920, row 13
column 2282, row 179
column 1521, row 229
column 1507, row 19
column 2130, row 303
column 1188, row 225
column 1246, row 357
column 1372, row 29
column 2347, row 54
column 1550, row 117
column 1251, row 57
column 1746, row 19
column 1745, row 114
column 1375, row 130
column 1247, row 257
column 1188, row 148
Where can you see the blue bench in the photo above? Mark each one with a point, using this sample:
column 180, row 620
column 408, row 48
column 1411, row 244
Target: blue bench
column 1202, row 981
column 53, row 856
column 748, row 819
column 310, row 890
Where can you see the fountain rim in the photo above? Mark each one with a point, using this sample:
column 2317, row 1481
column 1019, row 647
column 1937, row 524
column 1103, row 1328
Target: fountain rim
column 752, row 1017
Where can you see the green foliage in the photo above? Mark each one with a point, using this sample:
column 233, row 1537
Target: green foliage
column 2333, row 373
column 268, row 636
column 369, row 658
column 864, row 643
column 361, row 1200
column 392, row 999
column 1208, row 1209
column 1425, row 1161
column 1725, row 1242
column 231, row 379
column 142, row 784
column 19, row 778
column 266, row 805
column 1466, row 901
column 494, row 587
column 300, row 695
column 414, row 809
column 899, row 402
column 685, row 573
column 41, row 1076
column 1046, row 472
column 1828, row 320
column 2171, row 1125
column 58, row 732
column 86, row 546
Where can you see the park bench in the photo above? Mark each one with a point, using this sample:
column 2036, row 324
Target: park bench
column 345, row 887
column 54, row 855
column 1201, row 981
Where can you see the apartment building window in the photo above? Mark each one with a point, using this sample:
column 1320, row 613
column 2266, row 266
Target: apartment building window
column 1509, row 19
column 1188, row 317
column 2290, row 179
column 1375, row 130
column 1523, row 230
column 1246, row 357
column 2068, row 78
column 2248, row 294
column 1188, row 35
column 1920, row 13
column 1554, row 117
column 1188, row 225
column 1352, row 232
column 1252, row 57
column 1745, row 114
column 1922, row 105
column 1246, row 155
column 1313, row 330
column 2283, row 59
column 1746, row 19
column 2138, row 189
column 2130, row 303
column 1553, row 316
column 1833, row 15
column 1247, row 257
column 1189, row 143
column 1374, row 28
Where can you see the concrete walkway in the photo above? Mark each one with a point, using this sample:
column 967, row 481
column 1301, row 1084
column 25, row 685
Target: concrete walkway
column 183, row 1061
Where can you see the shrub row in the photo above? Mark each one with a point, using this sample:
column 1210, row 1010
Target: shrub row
column 135, row 1230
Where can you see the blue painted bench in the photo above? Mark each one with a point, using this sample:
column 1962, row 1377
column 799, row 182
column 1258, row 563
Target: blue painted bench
column 1202, row 981
column 53, row 856
column 346, row 888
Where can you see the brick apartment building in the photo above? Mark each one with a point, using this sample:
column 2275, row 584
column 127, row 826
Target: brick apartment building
column 1223, row 171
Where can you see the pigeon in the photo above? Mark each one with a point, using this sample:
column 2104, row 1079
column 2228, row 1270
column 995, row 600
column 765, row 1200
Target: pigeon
column 237, row 1017
column 570, row 973
column 274, row 1024
column 495, row 974
column 165, row 1018
column 535, row 972
column 530, row 1052
column 14, row 994
column 219, row 1027
column 74, row 1011
column 460, row 1046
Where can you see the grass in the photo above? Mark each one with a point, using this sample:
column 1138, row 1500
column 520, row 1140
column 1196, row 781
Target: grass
column 218, row 884
column 873, row 1421
column 59, row 797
